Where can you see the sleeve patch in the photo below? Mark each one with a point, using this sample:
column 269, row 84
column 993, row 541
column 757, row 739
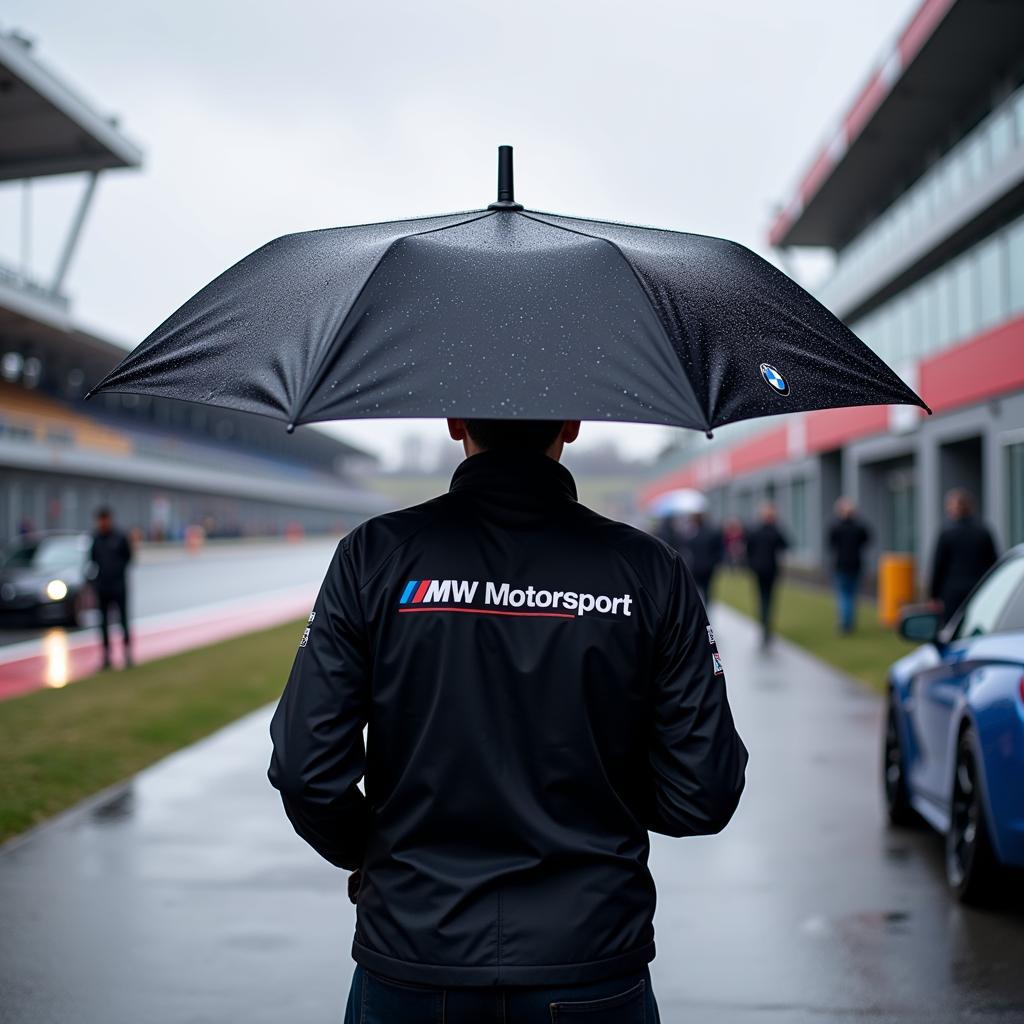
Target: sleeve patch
column 716, row 660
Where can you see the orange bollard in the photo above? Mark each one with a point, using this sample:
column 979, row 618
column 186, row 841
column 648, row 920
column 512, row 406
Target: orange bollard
column 895, row 585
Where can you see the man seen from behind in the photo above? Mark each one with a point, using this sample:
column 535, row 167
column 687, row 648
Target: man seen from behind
column 542, row 689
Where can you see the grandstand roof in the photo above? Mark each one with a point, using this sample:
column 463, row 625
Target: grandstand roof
column 944, row 63
column 46, row 127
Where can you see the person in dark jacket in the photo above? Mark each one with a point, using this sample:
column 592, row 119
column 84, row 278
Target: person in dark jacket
column 847, row 537
column 765, row 543
column 111, row 555
column 541, row 689
column 702, row 549
column 964, row 552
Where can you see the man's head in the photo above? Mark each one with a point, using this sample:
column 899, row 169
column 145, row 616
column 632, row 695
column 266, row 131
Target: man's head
column 542, row 437
column 767, row 512
column 959, row 504
column 104, row 520
column 845, row 508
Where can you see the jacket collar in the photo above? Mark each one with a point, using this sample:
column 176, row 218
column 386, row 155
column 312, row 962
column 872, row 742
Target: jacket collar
column 521, row 476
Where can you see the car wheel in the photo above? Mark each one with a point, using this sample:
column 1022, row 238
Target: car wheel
column 971, row 865
column 894, row 779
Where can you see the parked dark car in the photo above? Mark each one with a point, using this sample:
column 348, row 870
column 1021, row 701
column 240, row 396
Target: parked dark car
column 954, row 739
column 44, row 578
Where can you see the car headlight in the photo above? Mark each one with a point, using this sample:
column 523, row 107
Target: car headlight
column 56, row 590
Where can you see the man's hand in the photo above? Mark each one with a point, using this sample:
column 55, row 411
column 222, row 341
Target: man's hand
column 354, row 881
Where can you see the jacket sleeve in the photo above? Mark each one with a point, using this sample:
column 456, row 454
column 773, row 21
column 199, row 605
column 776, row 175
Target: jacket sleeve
column 697, row 759
column 317, row 729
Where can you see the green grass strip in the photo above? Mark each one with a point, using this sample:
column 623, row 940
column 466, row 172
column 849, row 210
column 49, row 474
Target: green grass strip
column 806, row 615
column 59, row 746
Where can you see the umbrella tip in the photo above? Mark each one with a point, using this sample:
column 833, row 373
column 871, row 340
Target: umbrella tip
column 709, row 434
column 290, row 428
column 506, row 186
column 88, row 395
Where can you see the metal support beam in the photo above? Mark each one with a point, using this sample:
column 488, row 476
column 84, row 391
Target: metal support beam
column 71, row 241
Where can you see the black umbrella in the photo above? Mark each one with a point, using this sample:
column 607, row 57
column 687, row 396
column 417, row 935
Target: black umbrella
column 507, row 312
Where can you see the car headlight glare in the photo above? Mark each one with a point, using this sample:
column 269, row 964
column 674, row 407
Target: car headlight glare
column 56, row 590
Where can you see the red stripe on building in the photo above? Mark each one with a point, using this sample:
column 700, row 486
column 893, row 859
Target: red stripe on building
column 918, row 31
column 816, row 175
column 832, row 428
column 764, row 450
column 989, row 365
column 420, row 591
column 861, row 112
column 921, row 27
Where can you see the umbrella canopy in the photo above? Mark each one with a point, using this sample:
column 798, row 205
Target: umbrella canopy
column 505, row 312
column 682, row 502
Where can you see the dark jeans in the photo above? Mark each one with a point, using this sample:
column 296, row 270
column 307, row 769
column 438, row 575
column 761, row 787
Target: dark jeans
column 847, row 584
column 765, row 597
column 377, row 1000
column 108, row 598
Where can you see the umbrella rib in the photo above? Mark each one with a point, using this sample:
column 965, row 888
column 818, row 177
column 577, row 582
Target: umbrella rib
column 644, row 291
column 321, row 371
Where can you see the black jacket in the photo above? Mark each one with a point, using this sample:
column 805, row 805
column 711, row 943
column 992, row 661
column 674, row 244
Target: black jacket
column 765, row 542
column 964, row 552
column 702, row 550
column 847, row 539
column 111, row 554
column 542, row 688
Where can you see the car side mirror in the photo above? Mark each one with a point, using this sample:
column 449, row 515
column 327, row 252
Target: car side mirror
column 920, row 625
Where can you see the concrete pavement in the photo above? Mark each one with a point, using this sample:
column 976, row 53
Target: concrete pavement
column 184, row 896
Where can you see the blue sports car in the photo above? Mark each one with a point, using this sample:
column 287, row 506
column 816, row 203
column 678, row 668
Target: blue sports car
column 954, row 738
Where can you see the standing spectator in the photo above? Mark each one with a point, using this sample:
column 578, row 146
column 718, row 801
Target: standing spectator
column 702, row 551
column 733, row 541
column 765, row 542
column 847, row 537
column 964, row 552
column 665, row 529
column 111, row 556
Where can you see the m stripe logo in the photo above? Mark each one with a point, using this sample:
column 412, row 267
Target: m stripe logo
column 414, row 591
column 438, row 591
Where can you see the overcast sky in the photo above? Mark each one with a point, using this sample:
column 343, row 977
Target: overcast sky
column 258, row 119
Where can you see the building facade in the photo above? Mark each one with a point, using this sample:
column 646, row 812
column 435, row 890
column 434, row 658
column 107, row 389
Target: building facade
column 919, row 193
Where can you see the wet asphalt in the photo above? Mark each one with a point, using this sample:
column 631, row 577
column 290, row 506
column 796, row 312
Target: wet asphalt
column 184, row 896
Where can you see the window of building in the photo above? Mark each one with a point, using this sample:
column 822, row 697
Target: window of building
column 1001, row 136
column 945, row 307
column 1017, row 104
column 992, row 283
column 977, row 157
column 1015, row 266
column 964, row 278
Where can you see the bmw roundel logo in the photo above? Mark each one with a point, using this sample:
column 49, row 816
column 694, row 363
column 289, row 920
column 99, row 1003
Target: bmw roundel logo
column 774, row 379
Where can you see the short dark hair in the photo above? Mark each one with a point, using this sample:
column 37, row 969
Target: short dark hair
column 103, row 512
column 514, row 435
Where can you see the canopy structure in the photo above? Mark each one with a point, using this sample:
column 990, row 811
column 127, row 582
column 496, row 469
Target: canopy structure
column 45, row 127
